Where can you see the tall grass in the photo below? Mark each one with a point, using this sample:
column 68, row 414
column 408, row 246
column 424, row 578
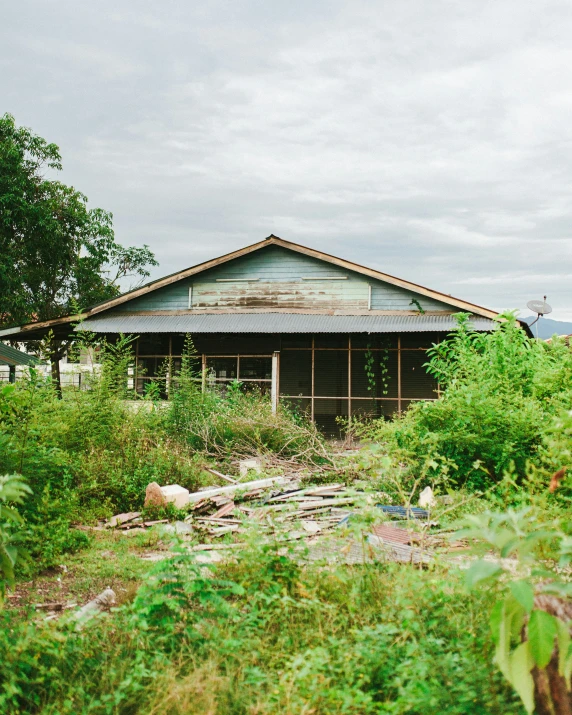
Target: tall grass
column 266, row 635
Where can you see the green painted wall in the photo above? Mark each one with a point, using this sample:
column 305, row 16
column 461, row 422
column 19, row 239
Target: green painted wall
column 283, row 279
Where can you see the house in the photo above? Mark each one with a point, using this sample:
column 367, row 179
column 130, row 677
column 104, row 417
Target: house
column 325, row 335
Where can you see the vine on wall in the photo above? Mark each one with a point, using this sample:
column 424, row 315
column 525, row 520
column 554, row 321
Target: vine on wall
column 370, row 368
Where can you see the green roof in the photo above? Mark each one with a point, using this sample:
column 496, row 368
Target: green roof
column 11, row 356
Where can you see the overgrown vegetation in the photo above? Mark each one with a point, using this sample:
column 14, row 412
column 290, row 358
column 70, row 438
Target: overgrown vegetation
column 265, row 635
column 92, row 453
column 267, row 631
column 531, row 619
column 503, row 400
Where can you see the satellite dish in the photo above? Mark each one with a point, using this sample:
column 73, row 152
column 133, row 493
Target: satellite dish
column 540, row 307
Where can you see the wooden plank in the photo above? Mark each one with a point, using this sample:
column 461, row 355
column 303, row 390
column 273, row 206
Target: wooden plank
column 285, row 497
column 223, row 511
column 216, row 547
column 325, row 488
column 327, row 502
column 233, row 488
column 220, row 475
column 220, row 531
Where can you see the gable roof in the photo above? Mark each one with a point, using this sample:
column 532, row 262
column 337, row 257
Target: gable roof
column 271, row 240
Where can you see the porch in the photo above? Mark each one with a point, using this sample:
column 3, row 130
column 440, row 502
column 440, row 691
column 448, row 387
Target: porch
column 325, row 376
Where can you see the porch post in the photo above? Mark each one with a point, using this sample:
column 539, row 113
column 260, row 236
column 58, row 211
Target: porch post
column 275, row 390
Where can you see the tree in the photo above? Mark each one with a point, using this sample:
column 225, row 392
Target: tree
column 55, row 252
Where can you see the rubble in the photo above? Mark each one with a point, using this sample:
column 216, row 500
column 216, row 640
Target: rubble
column 174, row 494
column 120, row 519
column 232, row 488
column 104, row 601
column 318, row 517
column 179, row 527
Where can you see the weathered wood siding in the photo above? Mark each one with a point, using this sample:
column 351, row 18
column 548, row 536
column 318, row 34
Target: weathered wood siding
column 385, row 296
column 281, row 279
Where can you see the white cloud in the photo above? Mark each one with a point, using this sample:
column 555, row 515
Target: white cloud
column 431, row 140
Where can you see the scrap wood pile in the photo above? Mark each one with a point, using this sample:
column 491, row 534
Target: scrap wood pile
column 316, row 509
column 315, row 515
column 282, row 510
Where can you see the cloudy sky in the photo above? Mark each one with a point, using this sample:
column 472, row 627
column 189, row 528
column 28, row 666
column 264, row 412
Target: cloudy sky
column 430, row 140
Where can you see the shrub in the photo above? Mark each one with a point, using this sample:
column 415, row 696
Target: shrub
column 501, row 391
column 12, row 492
column 236, row 423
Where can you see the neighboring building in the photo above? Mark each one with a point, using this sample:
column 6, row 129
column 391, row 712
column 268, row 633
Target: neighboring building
column 13, row 362
column 324, row 334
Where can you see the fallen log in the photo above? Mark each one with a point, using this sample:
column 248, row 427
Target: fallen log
column 102, row 602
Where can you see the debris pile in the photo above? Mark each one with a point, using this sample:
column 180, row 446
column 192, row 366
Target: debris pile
column 316, row 509
column 318, row 516
column 131, row 521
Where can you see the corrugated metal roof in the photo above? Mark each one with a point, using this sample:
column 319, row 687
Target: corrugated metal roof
column 11, row 356
column 275, row 323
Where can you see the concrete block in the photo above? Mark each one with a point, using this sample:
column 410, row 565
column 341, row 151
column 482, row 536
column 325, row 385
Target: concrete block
column 174, row 494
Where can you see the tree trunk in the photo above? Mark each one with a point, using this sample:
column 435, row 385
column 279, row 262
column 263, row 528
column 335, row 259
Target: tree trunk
column 552, row 694
column 56, row 354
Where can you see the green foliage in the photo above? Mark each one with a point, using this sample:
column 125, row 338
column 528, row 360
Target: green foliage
column 414, row 302
column 13, row 490
column 531, row 584
column 265, row 634
column 502, row 396
column 373, row 370
column 53, row 249
column 93, row 453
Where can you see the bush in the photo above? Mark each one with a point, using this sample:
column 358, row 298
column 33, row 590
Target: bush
column 501, row 393
column 12, row 492
column 92, row 453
